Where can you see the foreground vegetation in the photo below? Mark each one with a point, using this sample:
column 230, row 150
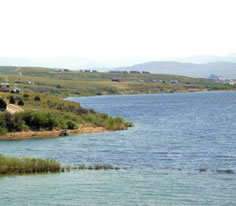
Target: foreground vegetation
column 46, row 112
column 13, row 165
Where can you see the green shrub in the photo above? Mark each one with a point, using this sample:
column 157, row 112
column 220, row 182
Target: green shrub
column 12, row 100
column 26, row 96
column 111, row 90
column 71, row 124
column 21, row 102
column 37, row 98
column 3, row 130
column 3, row 105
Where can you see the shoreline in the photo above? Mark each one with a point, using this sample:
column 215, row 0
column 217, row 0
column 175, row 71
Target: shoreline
column 126, row 94
column 84, row 129
column 66, row 98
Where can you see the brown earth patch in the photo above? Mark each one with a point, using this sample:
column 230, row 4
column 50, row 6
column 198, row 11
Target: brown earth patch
column 84, row 129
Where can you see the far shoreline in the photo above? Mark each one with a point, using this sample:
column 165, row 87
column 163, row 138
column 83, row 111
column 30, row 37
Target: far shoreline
column 183, row 92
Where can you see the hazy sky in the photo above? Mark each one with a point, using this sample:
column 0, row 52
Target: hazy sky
column 117, row 28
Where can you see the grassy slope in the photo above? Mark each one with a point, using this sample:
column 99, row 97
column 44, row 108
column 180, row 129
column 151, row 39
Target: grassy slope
column 68, row 115
column 7, row 69
column 79, row 83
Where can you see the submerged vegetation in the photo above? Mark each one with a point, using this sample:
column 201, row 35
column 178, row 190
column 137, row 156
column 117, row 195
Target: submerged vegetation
column 13, row 165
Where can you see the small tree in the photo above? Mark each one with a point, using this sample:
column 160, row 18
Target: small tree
column 3, row 130
column 12, row 100
column 36, row 98
column 3, row 105
column 26, row 96
column 21, row 102
column 71, row 124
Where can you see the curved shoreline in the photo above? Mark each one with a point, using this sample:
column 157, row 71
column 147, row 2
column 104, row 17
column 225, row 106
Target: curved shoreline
column 127, row 94
column 50, row 134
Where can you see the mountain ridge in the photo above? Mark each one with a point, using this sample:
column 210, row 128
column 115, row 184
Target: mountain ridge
column 222, row 68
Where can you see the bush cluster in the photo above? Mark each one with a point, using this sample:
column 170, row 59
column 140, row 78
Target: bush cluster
column 103, row 120
column 3, row 105
column 12, row 100
column 33, row 121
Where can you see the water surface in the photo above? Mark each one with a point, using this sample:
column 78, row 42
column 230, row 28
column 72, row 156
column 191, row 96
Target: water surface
column 174, row 135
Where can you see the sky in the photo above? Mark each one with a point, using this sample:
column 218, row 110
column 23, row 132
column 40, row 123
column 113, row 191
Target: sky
column 117, row 28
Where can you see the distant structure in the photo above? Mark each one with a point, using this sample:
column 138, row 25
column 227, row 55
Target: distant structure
column 5, row 87
column 174, row 82
column 88, row 71
column 226, row 81
column 134, row 72
column 62, row 70
column 115, row 80
column 145, row 72
column 215, row 77
column 16, row 90
column 118, row 72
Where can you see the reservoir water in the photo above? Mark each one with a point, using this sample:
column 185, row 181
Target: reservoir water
column 174, row 135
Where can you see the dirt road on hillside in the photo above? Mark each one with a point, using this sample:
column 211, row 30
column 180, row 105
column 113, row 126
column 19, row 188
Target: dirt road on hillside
column 12, row 109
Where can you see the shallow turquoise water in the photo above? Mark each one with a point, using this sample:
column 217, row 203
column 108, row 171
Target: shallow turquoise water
column 174, row 135
column 132, row 187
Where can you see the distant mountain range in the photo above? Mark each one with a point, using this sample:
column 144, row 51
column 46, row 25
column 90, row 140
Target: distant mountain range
column 209, row 59
column 195, row 66
column 225, row 69
column 52, row 62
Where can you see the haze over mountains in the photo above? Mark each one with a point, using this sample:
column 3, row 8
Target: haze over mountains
column 195, row 66
column 225, row 69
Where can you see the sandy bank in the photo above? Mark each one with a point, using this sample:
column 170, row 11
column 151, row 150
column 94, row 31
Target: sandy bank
column 84, row 129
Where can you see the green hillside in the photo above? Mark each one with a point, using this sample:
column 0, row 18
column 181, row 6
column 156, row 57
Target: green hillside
column 7, row 69
column 74, row 83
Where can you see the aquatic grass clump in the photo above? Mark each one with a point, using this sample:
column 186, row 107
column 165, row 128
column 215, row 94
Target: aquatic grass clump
column 68, row 168
column 225, row 171
column 217, row 170
column 13, row 165
column 202, row 169
column 95, row 167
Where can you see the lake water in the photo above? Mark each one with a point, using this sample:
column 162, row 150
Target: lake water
column 174, row 135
